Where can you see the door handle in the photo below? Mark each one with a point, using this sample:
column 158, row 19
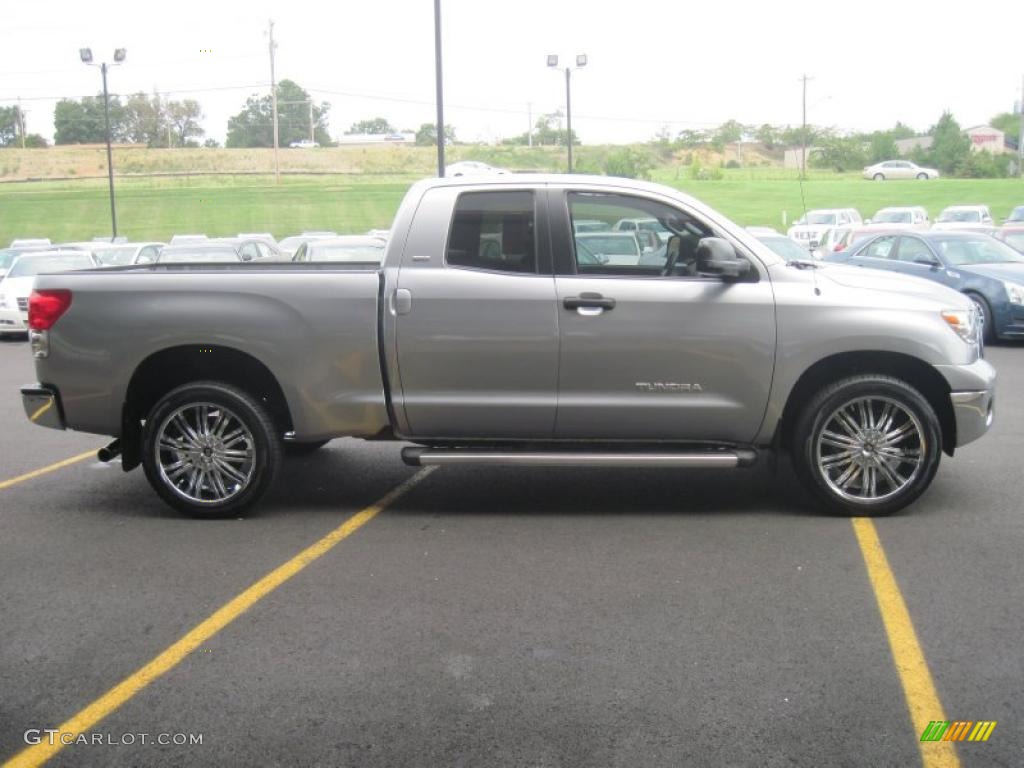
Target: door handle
column 588, row 301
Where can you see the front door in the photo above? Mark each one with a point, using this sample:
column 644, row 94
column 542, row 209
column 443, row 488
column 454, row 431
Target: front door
column 654, row 350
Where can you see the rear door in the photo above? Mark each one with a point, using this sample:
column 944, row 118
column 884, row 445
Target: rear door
column 650, row 352
column 475, row 317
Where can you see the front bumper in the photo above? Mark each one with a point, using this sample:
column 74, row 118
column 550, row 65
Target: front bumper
column 42, row 406
column 973, row 395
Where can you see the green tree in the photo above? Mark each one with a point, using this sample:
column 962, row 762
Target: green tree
column 10, row 126
column 768, row 135
column 254, row 125
column 35, row 141
column 629, row 163
column 689, row 138
column 376, row 126
column 548, row 131
column 183, row 118
column 426, row 136
column 839, row 153
column 728, row 132
column 82, row 122
column 1008, row 123
column 950, row 147
column 881, row 146
column 144, row 119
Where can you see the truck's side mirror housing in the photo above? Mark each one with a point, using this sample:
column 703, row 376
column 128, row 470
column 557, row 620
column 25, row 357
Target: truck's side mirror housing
column 717, row 256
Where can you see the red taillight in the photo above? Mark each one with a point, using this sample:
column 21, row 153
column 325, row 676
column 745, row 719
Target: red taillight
column 45, row 308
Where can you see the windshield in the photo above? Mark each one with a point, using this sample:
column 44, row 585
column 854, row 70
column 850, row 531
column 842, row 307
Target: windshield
column 1015, row 240
column 1017, row 214
column 197, row 255
column 960, row 216
column 372, row 253
column 6, row 257
column 986, row 250
column 786, row 248
column 42, row 265
column 821, row 218
column 892, row 217
column 114, row 257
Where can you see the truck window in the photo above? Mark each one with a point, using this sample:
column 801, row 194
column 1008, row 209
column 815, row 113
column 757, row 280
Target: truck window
column 640, row 250
column 493, row 231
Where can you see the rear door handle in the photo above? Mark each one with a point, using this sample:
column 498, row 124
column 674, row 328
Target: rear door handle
column 588, row 301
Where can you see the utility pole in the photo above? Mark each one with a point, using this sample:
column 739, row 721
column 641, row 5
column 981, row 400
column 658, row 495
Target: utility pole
column 273, row 101
column 529, row 123
column 803, row 131
column 21, row 123
column 311, row 124
column 110, row 159
column 1020, row 134
column 568, row 116
column 439, row 87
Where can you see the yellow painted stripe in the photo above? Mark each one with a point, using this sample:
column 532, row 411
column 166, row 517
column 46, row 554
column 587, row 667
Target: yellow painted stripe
column 46, row 470
column 85, row 720
column 918, row 688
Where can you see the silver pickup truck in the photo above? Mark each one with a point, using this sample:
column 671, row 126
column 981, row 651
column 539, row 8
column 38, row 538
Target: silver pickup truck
column 487, row 336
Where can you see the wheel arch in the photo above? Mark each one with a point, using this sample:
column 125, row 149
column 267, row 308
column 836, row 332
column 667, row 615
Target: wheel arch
column 917, row 373
column 169, row 368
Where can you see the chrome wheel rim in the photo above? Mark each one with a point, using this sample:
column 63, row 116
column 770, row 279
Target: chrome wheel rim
column 870, row 449
column 205, row 453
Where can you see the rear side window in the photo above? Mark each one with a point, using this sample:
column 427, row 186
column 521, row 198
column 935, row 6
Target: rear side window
column 494, row 231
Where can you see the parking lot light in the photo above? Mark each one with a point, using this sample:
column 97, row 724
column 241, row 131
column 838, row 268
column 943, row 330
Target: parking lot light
column 581, row 61
column 119, row 55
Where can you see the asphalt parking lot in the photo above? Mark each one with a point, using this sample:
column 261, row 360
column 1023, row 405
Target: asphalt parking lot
column 508, row 617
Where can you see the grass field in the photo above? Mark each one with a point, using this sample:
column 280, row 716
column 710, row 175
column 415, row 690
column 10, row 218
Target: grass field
column 156, row 208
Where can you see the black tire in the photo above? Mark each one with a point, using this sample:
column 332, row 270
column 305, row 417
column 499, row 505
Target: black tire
column 878, row 177
column 303, row 449
column 820, row 455
column 258, row 441
column 988, row 328
column 922, row 176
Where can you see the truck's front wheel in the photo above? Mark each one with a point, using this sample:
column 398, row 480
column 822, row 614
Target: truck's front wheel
column 209, row 449
column 867, row 445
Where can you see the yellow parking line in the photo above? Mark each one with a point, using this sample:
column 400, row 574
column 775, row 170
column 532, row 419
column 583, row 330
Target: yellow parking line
column 82, row 722
column 918, row 687
column 46, row 470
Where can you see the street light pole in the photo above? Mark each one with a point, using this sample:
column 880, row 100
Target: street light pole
column 110, row 156
column 439, row 89
column 581, row 61
column 119, row 55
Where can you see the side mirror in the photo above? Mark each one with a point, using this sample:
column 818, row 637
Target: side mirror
column 928, row 262
column 716, row 256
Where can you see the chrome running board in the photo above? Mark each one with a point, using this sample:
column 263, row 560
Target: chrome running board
column 711, row 459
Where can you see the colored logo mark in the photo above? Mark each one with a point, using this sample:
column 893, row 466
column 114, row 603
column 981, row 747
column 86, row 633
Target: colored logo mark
column 958, row 730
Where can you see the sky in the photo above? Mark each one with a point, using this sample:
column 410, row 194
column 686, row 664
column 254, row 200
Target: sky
column 652, row 65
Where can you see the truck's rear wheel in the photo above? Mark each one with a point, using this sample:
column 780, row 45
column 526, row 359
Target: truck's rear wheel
column 209, row 449
column 867, row 445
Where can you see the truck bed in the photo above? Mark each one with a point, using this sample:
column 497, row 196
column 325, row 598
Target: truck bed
column 313, row 326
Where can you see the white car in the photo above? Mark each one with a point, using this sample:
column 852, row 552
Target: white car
column 612, row 248
column 644, row 225
column 472, row 168
column 900, row 217
column 350, row 248
column 120, row 254
column 966, row 218
column 899, row 169
column 808, row 229
column 304, row 144
column 16, row 286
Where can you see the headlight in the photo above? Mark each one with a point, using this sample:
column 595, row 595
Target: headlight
column 963, row 322
column 1015, row 292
